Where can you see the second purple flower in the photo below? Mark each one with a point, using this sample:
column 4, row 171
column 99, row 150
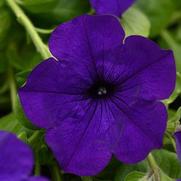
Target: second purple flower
column 114, row 7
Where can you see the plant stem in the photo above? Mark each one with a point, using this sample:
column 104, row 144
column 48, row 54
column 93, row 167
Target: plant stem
column 168, row 38
column 23, row 136
column 25, row 21
column 12, row 87
column 56, row 175
column 86, row 178
column 151, row 161
column 33, row 137
column 154, row 167
column 172, row 140
column 44, row 31
column 37, row 164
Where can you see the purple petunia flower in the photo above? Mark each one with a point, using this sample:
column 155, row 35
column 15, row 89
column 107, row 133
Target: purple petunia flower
column 16, row 159
column 101, row 98
column 114, row 7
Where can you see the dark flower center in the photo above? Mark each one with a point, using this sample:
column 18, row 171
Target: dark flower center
column 101, row 89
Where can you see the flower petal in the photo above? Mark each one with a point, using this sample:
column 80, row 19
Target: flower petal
column 81, row 39
column 141, row 69
column 153, row 69
column 143, row 127
column 53, row 91
column 79, row 143
column 16, row 158
column 114, row 7
column 11, row 178
column 178, row 143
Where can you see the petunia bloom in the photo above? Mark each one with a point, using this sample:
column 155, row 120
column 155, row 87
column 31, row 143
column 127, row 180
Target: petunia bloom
column 16, row 159
column 100, row 97
column 114, row 7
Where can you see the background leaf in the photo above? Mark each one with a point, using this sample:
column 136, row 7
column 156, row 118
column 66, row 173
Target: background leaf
column 10, row 123
column 135, row 176
column 135, row 22
column 39, row 6
column 62, row 10
column 168, row 162
column 5, row 24
column 159, row 13
column 124, row 170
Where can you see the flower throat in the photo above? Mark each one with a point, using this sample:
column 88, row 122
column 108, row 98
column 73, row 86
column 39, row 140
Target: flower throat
column 101, row 89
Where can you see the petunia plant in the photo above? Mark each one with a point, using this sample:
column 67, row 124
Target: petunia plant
column 90, row 90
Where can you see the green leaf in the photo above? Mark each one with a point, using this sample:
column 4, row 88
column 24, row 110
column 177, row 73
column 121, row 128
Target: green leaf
column 165, row 177
column 134, row 176
column 159, row 13
column 109, row 172
column 21, row 77
column 60, row 11
column 86, row 178
column 45, row 155
column 3, row 62
column 177, row 4
column 135, row 22
column 39, row 6
column 66, row 10
column 21, row 57
column 178, row 33
column 173, row 120
column 23, row 136
column 156, row 175
column 36, row 140
column 168, row 162
column 124, row 170
column 2, row 2
column 10, row 123
column 5, row 24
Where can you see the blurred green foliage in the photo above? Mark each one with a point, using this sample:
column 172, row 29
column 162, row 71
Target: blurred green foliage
column 159, row 13
column 56, row 11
